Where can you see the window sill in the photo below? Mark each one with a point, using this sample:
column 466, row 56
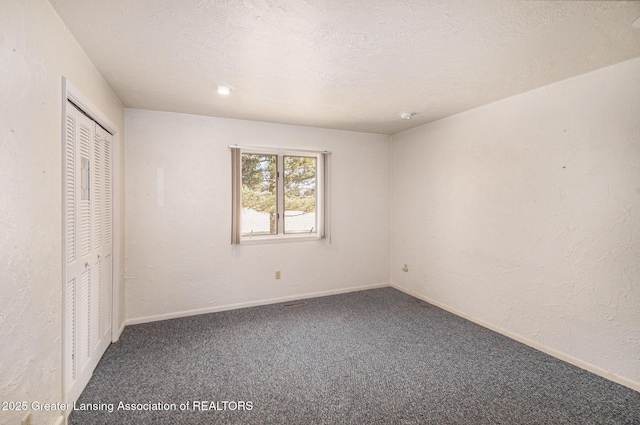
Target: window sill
column 260, row 240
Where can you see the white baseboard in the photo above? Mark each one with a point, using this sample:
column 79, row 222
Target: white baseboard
column 156, row 318
column 119, row 332
column 533, row 344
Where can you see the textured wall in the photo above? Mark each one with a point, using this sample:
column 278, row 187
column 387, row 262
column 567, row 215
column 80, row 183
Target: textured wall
column 178, row 252
column 35, row 52
column 525, row 214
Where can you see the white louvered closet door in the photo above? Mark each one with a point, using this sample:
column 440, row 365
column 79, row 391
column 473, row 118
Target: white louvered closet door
column 88, row 234
column 102, row 237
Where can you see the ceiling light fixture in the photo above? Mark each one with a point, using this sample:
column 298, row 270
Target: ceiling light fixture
column 407, row 115
column 224, row 90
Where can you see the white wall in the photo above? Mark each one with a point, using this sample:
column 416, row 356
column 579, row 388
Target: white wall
column 35, row 52
column 524, row 215
column 179, row 257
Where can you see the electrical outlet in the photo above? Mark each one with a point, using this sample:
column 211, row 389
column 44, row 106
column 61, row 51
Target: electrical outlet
column 27, row 419
column 277, row 274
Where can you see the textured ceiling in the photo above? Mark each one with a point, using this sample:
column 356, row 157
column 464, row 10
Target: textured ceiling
column 343, row 64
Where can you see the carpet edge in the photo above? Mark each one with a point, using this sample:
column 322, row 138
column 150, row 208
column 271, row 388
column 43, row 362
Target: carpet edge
column 236, row 306
column 629, row 383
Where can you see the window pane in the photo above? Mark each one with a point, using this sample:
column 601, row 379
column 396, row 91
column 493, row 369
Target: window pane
column 299, row 194
column 259, row 194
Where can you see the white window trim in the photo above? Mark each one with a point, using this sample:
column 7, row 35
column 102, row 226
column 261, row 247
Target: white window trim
column 322, row 196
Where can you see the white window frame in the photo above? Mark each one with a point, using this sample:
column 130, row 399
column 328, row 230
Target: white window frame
column 322, row 195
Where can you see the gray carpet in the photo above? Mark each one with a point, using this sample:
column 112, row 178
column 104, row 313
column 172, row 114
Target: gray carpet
column 370, row 357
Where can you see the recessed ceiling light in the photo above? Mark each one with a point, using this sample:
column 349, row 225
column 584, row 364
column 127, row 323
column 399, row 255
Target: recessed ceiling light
column 407, row 115
column 224, row 90
column 636, row 23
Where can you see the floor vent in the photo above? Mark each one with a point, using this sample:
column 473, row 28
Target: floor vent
column 294, row 304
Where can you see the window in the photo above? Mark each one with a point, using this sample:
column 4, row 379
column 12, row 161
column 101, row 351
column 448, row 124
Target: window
column 278, row 194
column 300, row 181
column 259, row 192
